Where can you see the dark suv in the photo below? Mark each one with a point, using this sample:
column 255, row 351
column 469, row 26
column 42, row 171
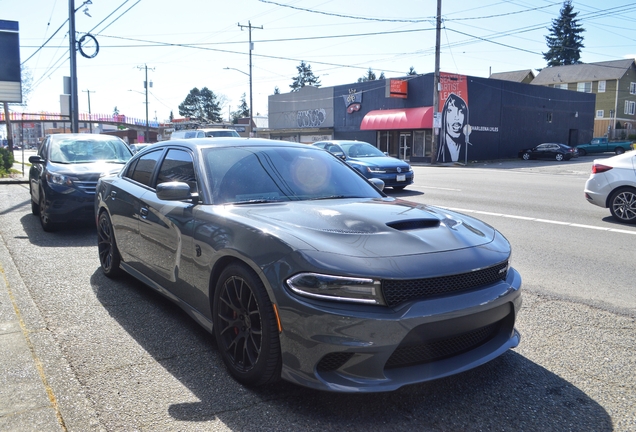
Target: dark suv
column 65, row 171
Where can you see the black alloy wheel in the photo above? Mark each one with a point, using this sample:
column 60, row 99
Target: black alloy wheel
column 622, row 204
column 245, row 327
column 109, row 256
column 526, row 156
column 45, row 220
column 582, row 152
column 619, row 150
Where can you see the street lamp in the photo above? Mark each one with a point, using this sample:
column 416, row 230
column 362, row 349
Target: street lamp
column 249, row 75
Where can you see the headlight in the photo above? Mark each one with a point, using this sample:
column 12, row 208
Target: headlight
column 338, row 288
column 375, row 170
column 60, row 179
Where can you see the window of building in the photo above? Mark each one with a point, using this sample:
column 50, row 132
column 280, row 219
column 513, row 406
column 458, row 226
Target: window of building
column 562, row 86
column 600, row 113
column 632, row 88
column 585, row 87
column 630, row 107
column 601, row 86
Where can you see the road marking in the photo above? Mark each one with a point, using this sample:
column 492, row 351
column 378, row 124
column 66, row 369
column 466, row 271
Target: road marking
column 615, row 230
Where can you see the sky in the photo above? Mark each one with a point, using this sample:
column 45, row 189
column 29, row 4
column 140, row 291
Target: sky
column 192, row 43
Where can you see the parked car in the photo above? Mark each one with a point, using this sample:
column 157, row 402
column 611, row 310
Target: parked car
column 371, row 162
column 138, row 147
column 602, row 145
column 612, row 184
column 305, row 271
column 64, row 173
column 203, row 133
column 554, row 151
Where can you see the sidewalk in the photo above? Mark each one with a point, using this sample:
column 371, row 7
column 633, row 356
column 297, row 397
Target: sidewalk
column 26, row 402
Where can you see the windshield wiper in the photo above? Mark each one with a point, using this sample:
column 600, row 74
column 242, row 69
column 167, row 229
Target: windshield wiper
column 255, row 201
column 334, row 197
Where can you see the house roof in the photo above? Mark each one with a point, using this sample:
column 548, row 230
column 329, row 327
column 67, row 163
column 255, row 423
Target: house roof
column 516, row 76
column 608, row 70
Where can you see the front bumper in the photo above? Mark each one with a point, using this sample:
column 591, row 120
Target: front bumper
column 71, row 205
column 372, row 348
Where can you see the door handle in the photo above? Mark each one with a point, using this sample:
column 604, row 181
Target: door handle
column 144, row 212
column 113, row 194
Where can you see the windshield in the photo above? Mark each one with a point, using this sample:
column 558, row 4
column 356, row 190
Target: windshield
column 361, row 150
column 272, row 174
column 85, row 150
column 223, row 133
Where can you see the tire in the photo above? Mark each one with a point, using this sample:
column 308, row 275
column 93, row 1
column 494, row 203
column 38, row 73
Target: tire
column 245, row 327
column 45, row 220
column 35, row 207
column 622, row 204
column 559, row 157
column 398, row 188
column 619, row 150
column 582, row 152
column 526, row 156
column 109, row 257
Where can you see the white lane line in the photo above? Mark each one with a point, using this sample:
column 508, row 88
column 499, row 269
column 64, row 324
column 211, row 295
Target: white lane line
column 621, row 231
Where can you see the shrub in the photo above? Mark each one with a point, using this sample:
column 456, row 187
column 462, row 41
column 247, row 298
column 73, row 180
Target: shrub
column 6, row 160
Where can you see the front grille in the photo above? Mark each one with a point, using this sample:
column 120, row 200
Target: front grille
column 333, row 361
column 86, row 186
column 398, row 291
column 427, row 352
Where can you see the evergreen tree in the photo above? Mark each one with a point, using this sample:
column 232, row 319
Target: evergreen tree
column 243, row 110
column 276, row 90
column 411, row 71
column 370, row 76
column 201, row 105
column 304, row 78
column 565, row 40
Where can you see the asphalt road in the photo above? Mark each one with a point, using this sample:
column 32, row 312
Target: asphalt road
column 115, row 356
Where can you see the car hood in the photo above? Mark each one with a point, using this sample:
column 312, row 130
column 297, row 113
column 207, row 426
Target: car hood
column 380, row 161
column 91, row 168
column 367, row 228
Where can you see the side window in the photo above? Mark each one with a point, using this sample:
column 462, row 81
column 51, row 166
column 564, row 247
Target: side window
column 142, row 171
column 43, row 147
column 178, row 166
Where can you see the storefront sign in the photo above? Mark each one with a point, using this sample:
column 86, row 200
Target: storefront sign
column 397, row 89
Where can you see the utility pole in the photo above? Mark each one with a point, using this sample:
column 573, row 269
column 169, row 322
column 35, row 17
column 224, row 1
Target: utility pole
column 73, row 53
column 250, row 27
column 147, row 134
column 90, row 120
column 436, row 117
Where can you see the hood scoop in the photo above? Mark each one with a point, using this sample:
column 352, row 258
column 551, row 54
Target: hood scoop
column 413, row 224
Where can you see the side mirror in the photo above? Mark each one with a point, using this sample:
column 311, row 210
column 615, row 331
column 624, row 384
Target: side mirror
column 379, row 184
column 36, row 159
column 340, row 155
column 174, row 191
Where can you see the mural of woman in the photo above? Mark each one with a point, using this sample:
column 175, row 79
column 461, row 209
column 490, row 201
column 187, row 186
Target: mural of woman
column 452, row 136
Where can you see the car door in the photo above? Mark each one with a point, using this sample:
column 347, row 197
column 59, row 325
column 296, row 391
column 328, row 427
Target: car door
column 166, row 229
column 125, row 206
column 37, row 171
column 541, row 151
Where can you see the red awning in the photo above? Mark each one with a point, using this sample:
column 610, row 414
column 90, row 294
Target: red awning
column 404, row 118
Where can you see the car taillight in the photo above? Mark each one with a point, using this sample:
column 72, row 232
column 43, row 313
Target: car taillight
column 600, row 168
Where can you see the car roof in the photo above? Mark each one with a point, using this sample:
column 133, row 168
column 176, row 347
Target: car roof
column 198, row 143
column 343, row 142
